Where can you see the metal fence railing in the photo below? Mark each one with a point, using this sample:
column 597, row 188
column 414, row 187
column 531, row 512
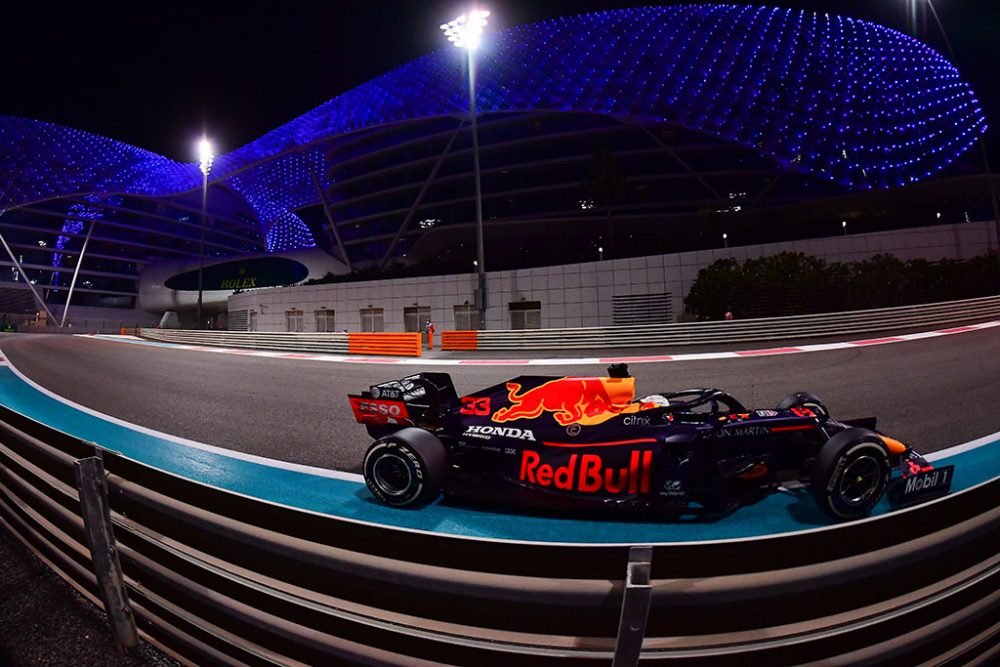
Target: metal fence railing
column 395, row 344
column 733, row 331
column 213, row 577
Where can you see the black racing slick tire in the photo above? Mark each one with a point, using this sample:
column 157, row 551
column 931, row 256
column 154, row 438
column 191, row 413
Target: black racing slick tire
column 406, row 468
column 803, row 399
column 851, row 474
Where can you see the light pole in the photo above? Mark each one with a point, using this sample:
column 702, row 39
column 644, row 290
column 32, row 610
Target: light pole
column 725, row 239
column 205, row 158
column 466, row 32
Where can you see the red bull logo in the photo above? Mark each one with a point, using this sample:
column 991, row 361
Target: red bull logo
column 571, row 400
column 587, row 473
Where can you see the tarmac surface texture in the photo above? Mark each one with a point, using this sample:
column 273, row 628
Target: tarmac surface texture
column 44, row 621
column 931, row 393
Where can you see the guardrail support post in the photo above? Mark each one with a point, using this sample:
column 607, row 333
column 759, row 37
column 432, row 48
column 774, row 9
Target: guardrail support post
column 636, row 597
column 97, row 523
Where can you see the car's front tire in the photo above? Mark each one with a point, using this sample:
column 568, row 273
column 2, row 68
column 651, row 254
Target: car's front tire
column 406, row 468
column 851, row 474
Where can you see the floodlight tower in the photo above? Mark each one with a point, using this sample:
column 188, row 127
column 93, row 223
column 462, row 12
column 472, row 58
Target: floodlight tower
column 466, row 32
column 205, row 158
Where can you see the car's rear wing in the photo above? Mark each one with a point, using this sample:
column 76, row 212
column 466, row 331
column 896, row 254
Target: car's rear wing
column 416, row 400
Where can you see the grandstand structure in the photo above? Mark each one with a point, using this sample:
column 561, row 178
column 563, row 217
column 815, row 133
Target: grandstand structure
column 617, row 132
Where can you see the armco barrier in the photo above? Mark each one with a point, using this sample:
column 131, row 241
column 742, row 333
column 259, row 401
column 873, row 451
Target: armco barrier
column 214, row 577
column 734, row 331
column 394, row 344
column 459, row 340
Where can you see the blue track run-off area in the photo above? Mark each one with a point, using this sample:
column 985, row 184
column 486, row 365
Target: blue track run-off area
column 344, row 496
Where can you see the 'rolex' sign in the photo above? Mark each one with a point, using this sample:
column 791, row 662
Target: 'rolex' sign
column 242, row 274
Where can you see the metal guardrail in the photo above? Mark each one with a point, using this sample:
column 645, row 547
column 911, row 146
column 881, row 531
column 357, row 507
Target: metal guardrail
column 214, row 577
column 733, row 331
column 395, row 344
column 70, row 330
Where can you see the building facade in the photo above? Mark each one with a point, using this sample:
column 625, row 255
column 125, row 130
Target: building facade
column 605, row 293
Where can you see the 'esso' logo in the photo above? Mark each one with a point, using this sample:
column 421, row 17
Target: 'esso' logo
column 390, row 409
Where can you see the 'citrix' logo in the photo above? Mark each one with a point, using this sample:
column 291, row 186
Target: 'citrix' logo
column 592, row 476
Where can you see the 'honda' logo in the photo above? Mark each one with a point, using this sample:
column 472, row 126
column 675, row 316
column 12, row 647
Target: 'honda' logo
column 503, row 431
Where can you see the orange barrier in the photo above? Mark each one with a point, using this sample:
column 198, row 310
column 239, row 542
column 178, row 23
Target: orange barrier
column 460, row 340
column 393, row 344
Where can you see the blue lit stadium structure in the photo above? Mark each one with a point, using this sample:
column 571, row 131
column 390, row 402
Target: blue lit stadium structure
column 698, row 105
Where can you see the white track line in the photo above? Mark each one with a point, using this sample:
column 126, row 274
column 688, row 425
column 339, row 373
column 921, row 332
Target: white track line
column 252, row 458
column 959, row 449
column 555, row 361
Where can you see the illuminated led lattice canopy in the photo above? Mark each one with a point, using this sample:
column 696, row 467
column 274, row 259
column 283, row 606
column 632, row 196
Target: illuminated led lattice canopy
column 845, row 100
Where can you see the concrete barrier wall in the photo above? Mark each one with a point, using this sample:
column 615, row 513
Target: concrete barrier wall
column 581, row 295
column 858, row 322
column 84, row 319
column 390, row 344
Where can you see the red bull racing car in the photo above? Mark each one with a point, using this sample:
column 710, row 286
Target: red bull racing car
column 582, row 442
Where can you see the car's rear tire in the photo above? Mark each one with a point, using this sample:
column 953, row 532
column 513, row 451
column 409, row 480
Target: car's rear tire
column 803, row 399
column 851, row 474
column 406, row 468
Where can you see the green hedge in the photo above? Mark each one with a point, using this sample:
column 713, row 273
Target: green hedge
column 796, row 284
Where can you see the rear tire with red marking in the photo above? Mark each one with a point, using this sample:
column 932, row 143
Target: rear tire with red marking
column 803, row 399
column 406, row 468
column 851, row 474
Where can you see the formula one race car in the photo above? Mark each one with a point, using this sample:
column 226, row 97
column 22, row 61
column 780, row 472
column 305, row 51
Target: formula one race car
column 579, row 442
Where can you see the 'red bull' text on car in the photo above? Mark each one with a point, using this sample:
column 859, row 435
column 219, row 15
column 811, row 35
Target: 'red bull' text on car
column 581, row 442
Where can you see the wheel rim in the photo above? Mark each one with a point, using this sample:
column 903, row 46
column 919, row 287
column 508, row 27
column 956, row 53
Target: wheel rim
column 860, row 480
column 392, row 474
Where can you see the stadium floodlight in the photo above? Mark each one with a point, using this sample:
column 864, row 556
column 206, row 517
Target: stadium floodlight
column 466, row 32
column 205, row 159
column 205, row 156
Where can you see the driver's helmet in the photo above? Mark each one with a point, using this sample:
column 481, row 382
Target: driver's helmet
column 655, row 400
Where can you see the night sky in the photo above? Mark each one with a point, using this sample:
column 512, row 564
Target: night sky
column 154, row 74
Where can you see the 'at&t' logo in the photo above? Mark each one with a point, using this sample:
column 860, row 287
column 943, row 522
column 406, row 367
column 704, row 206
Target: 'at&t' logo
column 592, row 476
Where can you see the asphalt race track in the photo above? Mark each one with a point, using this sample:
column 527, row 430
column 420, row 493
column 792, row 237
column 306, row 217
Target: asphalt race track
column 931, row 393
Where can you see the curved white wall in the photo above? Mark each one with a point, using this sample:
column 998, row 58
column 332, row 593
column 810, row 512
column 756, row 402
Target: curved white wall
column 156, row 297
